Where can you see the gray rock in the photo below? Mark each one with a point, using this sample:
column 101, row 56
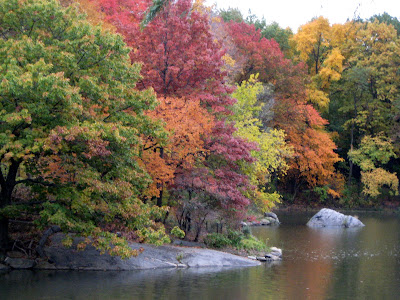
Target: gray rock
column 329, row 218
column 4, row 267
column 244, row 224
column 20, row 263
column 151, row 258
column 261, row 258
column 188, row 243
column 252, row 257
column 273, row 216
column 274, row 254
column 270, row 257
column 265, row 221
column 15, row 254
column 45, row 265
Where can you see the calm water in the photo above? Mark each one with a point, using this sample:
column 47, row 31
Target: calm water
column 318, row 264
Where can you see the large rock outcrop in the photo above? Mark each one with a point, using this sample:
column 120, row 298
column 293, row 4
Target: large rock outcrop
column 329, row 218
column 151, row 258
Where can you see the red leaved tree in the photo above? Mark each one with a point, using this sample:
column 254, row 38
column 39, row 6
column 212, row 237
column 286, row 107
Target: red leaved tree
column 181, row 58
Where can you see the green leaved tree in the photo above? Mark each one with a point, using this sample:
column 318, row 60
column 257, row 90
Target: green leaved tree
column 273, row 151
column 71, row 126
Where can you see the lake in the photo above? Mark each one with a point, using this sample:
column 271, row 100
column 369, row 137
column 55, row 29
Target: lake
column 322, row 263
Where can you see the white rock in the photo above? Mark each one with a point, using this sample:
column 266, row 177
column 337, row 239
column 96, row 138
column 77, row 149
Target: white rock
column 329, row 218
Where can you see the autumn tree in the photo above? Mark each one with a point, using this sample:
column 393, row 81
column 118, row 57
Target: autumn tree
column 71, row 126
column 314, row 156
column 318, row 44
column 272, row 153
column 187, row 123
column 373, row 153
column 364, row 101
column 181, row 59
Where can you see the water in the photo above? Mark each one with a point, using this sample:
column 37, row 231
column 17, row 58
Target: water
column 318, row 264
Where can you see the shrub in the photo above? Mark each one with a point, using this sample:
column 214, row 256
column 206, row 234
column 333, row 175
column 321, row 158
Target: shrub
column 216, row 240
column 177, row 232
column 235, row 237
column 252, row 243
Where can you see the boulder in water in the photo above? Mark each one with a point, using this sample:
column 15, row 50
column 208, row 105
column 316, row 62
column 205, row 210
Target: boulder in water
column 330, row 218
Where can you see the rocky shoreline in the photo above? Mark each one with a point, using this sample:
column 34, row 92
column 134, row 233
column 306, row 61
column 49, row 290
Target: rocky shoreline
column 90, row 259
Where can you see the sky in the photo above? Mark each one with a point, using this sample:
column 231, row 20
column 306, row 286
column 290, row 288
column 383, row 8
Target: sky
column 293, row 13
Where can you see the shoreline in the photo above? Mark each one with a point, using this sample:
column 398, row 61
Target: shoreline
column 153, row 257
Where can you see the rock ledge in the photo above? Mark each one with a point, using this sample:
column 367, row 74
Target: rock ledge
column 152, row 257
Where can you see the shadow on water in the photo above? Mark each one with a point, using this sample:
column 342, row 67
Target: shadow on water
column 318, row 263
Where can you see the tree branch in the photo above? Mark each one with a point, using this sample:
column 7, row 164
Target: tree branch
column 36, row 181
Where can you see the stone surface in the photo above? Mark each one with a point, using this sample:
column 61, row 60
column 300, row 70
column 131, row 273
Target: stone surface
column 15, row 254
column 20, row 263
column 329, row 218
column 269, row 219
column 265, row 221
column 4, row 267
column 272, row 216
column 276, row 251
column 270, row 257
column 45, row 265
column 261, row 258
column 274, row 254
column 151, row 258
column 188, row 244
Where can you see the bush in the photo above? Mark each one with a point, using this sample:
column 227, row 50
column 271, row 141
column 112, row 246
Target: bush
column 177, row 232
column 216, row 240
column 252, row 243
column 235, row 238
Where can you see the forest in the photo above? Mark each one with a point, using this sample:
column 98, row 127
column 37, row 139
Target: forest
column 137, row 119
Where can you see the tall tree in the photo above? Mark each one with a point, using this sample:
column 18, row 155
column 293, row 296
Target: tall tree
column 182, row 59
column 71, row 124
column 314, row 158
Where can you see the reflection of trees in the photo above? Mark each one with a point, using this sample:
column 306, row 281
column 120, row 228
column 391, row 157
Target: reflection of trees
column 372, row 271
column 310, row 275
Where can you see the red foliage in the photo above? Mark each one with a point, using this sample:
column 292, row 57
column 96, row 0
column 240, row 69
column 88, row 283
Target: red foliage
column 314, row 156
column 181, row 58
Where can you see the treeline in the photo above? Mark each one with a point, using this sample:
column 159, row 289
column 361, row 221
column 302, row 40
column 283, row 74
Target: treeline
column 110, row 123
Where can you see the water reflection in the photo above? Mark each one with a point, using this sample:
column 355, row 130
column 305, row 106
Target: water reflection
column 318, row 263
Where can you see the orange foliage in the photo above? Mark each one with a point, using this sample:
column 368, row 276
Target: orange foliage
column 187, row 123
column 314, row 157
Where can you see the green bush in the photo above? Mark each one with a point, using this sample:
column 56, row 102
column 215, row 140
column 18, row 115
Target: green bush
column 177, row 232
column 216, row 240
column 252, row 243
column 235, row 237
column 246, row 231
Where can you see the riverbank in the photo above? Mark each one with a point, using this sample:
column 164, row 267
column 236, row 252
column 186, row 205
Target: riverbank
column 152, row 257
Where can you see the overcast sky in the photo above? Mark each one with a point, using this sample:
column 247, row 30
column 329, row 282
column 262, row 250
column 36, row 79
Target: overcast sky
column 293, row 13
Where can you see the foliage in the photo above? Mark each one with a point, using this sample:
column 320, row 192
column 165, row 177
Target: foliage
column 372, row 153
column 216, row 240
column 234, row 239
column 187, row 123
column 182, row 59
column 252, row 243
column 72, row 122
column 272, row 151
column 177, row 232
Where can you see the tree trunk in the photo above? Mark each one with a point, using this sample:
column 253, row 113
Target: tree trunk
column 160, row 185
column 352, row 139
column 7, row 188
column 4, row 240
